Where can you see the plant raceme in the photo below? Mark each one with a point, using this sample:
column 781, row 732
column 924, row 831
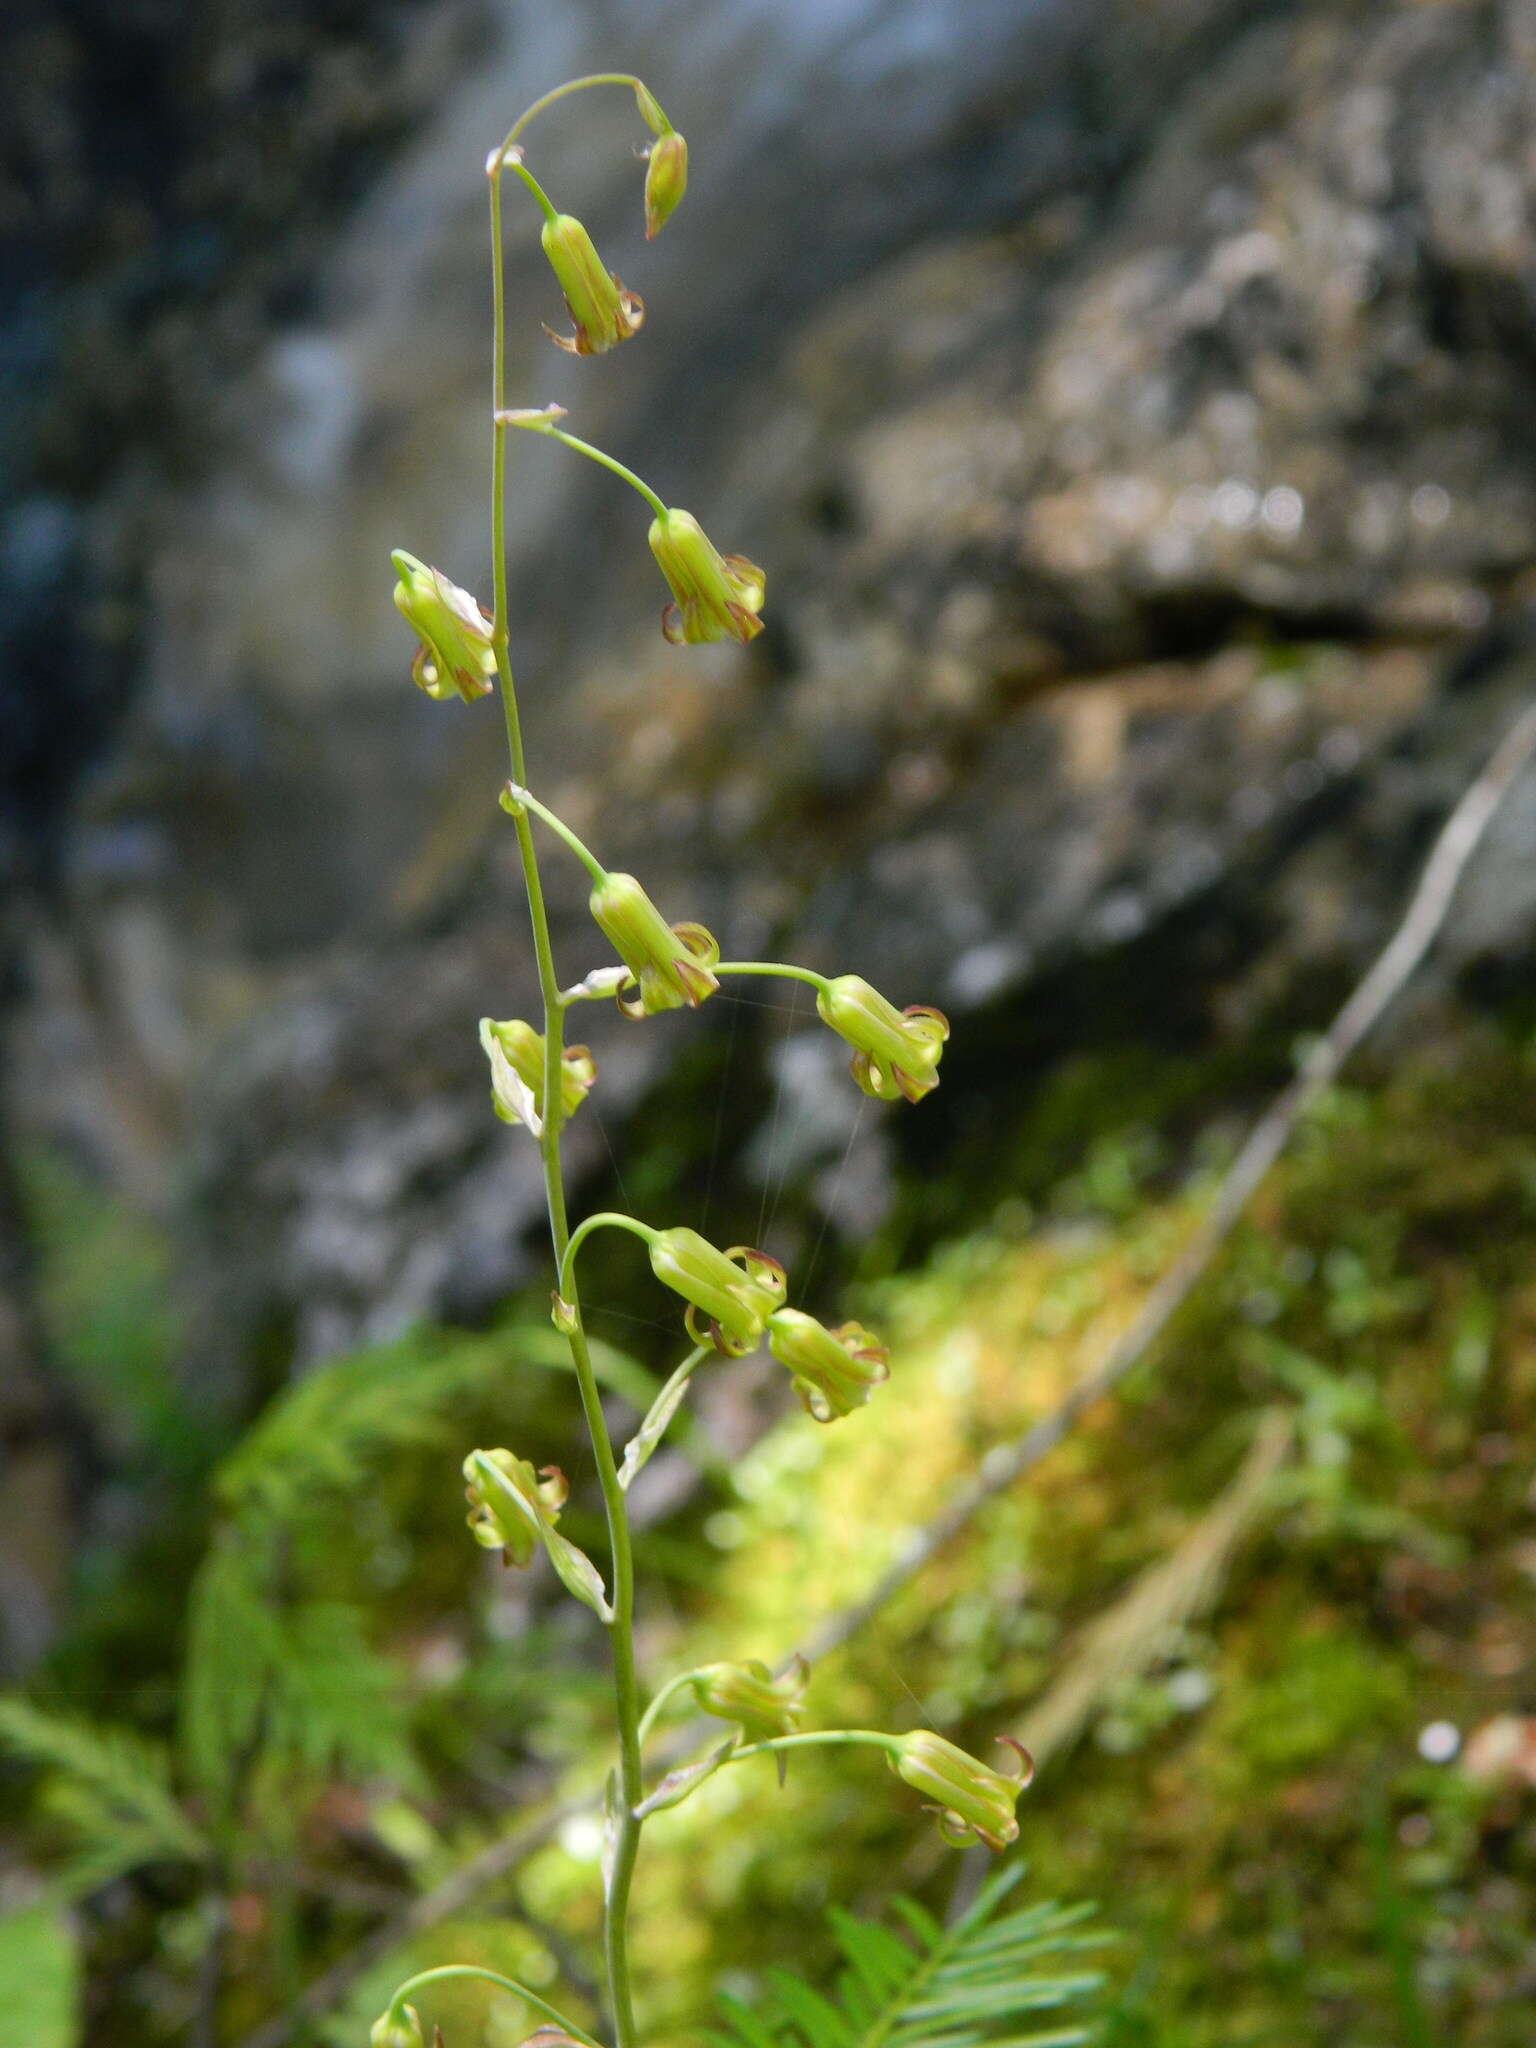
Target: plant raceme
column 734, row 1299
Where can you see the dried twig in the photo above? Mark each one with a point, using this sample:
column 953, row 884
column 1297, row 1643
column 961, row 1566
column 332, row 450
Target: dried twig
column 1459, row 839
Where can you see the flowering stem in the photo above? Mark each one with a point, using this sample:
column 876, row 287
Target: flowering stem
column 622, row 1628
column 563, row 831
column 603, row 1219
column 450, row 1970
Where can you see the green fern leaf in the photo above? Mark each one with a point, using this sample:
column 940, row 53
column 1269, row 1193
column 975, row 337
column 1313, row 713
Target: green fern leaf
column 108, row 1790
column 976, row 1984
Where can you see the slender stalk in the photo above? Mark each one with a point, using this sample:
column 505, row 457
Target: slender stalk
column 824, row 1738
column 561, row 92
column 621, row 1636
column 546, row 204
column 447, row 1971
column 601, row 1219
column 670, row 1690
column 540, row 423
column 561, row 830
column 778, row 968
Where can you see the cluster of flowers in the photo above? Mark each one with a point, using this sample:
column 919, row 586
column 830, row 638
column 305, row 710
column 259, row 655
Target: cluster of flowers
column 734, row 1298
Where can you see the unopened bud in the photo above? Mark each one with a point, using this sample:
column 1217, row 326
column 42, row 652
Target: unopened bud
column 736, row 1291
column 400, row 2027
column 670, row 962
column 602, row 311
column 717, row 597
column 666, row 180
column 516, row 1053
column 748, row 1694
column 835, row 1370
column 456, row 652
column 512, row 1507
column 896, row 1052
column 970, row 1800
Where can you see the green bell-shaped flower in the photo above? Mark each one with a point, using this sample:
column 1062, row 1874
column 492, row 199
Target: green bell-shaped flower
column 717, row 597
column 895, row 1052
column 736, row 1291
column 456, row 654
column 671, row 963
column 516, row 1053
column 602, row 312
column 749, row 1694
column 971, row 1801
column 835, row 1371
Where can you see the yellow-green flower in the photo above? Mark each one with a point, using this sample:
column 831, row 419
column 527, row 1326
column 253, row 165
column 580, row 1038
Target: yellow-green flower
column 456, row 652
column 511, row 1514
column 748, row 1694
column 398, row 2028
column 835, row 1370
column 666, row 180
column 737, row 1291
column 514, row 1509
column 895, row 1052
column 671, row 963
column 602, row 312
column 718, row 597
column 970, row 1800
column 516, row 1053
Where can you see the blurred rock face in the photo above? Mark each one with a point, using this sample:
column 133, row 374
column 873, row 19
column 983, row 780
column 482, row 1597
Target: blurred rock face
column 1128, row 405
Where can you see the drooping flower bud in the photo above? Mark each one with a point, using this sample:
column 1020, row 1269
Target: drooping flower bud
column 718, row 597
column 895, row 1052
column 737, row 1291
column 970, row 1800
column 516, row 1053
column 602, row 312
column 514, row 1509
column 835, row 1370
column 666, row 180
column 456, row 651
column 670, row 962
column 512, row 1517
column 748, row 1694
column 400, row 2027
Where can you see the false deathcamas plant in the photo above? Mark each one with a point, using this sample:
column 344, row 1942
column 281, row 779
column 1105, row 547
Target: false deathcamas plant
column 734, row 1299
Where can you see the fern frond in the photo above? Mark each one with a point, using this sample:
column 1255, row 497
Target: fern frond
column 109, row 1790
column 318, row 1439
column 299, row 1684
column 980, row 1981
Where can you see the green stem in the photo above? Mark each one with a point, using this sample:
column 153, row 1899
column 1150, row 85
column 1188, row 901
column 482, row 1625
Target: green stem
column 673, row 1686
column 868, row 1738
column 540, row 423
column 550, row 210
column 779, row 968
column 622, row 1628
column 561, row 830
column 450, row 1970
column 602, row 1219
column 560, row 92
